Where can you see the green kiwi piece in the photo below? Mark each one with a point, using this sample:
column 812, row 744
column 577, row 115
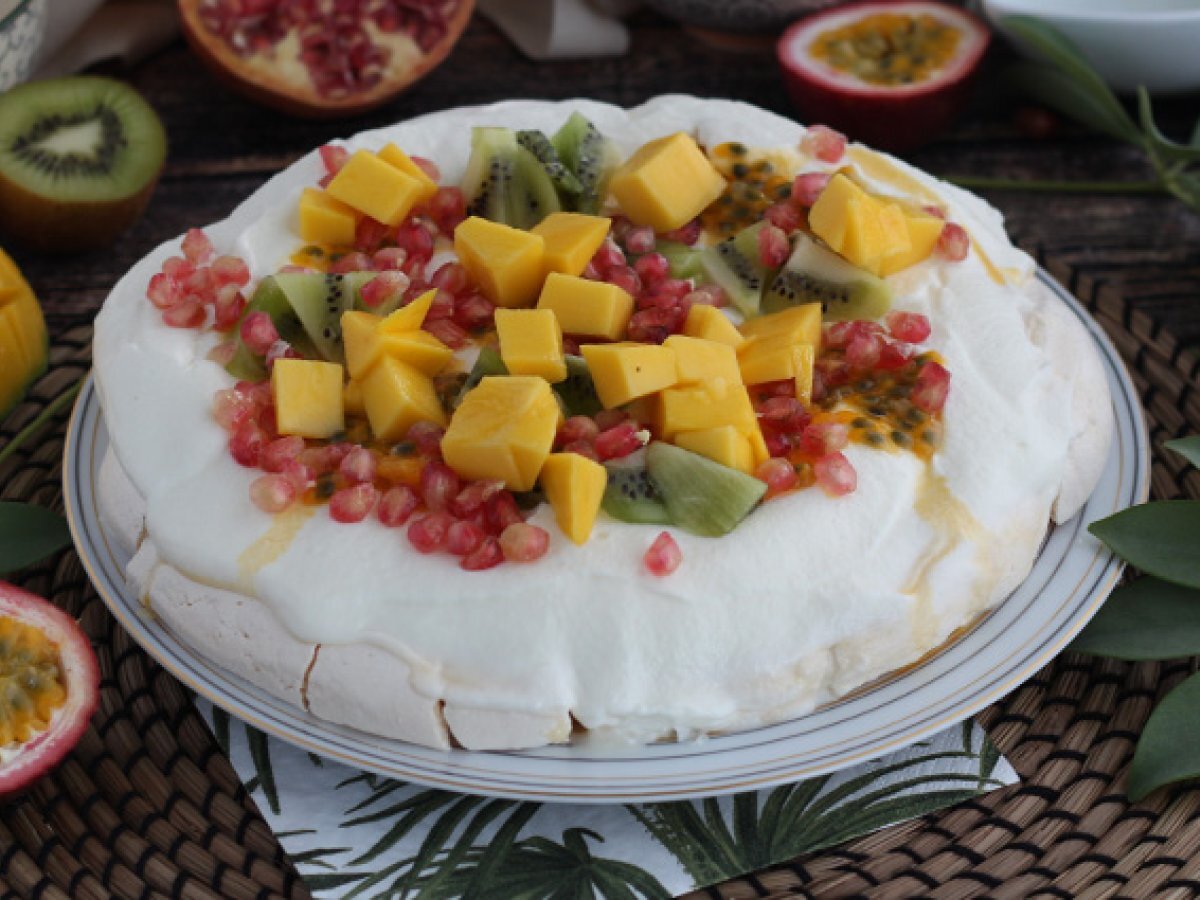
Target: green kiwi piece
column 590, row 156
column 531, row 194
column 816, row 274
column 700, row 495
column 539, row 145
column 79, row 158
column 630, row 495
column 319, row 301
column 269, row 298
column 577, row 391
column 734, row 264
column 487, row 363
column 685, row 261
column 490, row 172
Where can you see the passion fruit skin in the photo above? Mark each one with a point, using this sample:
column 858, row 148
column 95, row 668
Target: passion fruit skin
column 301, row 100
column 81, row 674
column 880, row 115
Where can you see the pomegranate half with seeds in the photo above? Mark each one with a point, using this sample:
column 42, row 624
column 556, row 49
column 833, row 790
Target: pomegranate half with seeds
column 323, row 58
column 893, row 73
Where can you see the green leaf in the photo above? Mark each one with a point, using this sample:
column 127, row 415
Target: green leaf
column 29, row 533
column 1144, row 620
column 1160, row 143
column 1188, row 448
column 1063, row 55
column 1169, row 748
column 1161, row 539
column 499, row 847
column 260, row 753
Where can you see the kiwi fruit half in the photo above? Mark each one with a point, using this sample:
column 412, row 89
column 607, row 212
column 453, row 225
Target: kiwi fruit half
column 79, row 158
column 505, row 182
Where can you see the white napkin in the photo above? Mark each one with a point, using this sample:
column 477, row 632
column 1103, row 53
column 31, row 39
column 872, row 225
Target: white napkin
column 78, row 35
column 560, row 29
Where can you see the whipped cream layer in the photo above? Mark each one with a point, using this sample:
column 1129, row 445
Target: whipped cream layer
column 808, row 598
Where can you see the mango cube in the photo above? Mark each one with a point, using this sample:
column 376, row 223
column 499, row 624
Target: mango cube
column 572, row 239
column 375, row 188
column 758, row 445
column 308, row 397
column 923, row 234
column 768, row 354
column 360, row 341
column 394, row 156
column 723, row 444
column 666, row 183
column 409, row 317
column 803, row 357
column 324, row 220
column 709, row 323
column 586, row 308
column 531, row 343
column 799, row 324
column 624, row 372
column 864, row 229
column 699, row 360
column 503, row 430
column 699, row 407
column 395, row 396
column 506, row 263
column 419, row 349
column 828, row 217
column 574, row 486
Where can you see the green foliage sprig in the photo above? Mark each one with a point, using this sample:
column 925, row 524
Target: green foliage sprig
column 1156, row 617
column 1067, row 83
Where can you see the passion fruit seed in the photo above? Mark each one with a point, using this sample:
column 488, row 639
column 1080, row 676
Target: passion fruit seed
column 888, row 48
column 31, row 687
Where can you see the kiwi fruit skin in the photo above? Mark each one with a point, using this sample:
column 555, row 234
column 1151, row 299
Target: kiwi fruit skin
column 61, row 224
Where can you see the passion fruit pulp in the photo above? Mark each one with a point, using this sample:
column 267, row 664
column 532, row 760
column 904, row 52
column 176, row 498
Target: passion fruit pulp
column 891, row 73
column 49, row 687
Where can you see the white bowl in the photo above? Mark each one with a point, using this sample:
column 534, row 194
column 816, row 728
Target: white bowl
column 1155, row 43
column 22, row 24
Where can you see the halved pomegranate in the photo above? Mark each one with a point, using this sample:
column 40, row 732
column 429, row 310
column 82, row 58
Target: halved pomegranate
column 322, row 58
column 892, row 73
column 51, row 687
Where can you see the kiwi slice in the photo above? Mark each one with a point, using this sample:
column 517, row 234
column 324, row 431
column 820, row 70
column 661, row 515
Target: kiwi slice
column 590, row 156
column 539, row 145
column 79, row 158
column 734, row 264
column 700, row 495
column 577, row 391
column 630, row 495
column 531, row 195
column 488, row 362
column 506, row 183
column 816, row 274
column 685, row 261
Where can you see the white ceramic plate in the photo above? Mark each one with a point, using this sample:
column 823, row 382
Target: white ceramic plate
column 1070, row 579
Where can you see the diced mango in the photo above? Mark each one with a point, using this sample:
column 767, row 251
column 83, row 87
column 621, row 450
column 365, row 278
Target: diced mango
column 360, row 340
column 376, row 188
column 419, row 349
column 723, row 444
column 324, row 220
column 308, row 397
column 923, row 234
column 699, row 407
column 803, row 357
column 503, row 429
column 767, row 358
column 758, row 445
column 409, row 317
column 506, row 263
column 352, row 399
column 393, row 155
column 586, row 308
column 396, row 396
column 862, row 228
column 666, row 183
column 697, row 359
column 624, row 372
column 572, row 239
column 709, row 323
column 531, row 343
column 801, row 324
column 828, row 216
column 574, row 486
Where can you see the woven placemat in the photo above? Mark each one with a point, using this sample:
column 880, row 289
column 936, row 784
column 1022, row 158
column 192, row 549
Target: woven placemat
column 147, row 805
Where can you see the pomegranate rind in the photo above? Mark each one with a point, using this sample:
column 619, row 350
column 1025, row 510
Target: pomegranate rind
column 893, row 117
column 35, row 758
column 267, row 87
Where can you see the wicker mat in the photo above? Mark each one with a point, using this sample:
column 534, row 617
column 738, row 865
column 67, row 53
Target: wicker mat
column 148, row 806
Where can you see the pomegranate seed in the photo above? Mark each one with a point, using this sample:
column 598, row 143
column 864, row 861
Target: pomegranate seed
column 197, row 248
column 894, row 355
column 333, row 158
column 785, row 216
column 452, row 278
column 178, row 268
column 439, row 486
column 352, row 504
column 522, row 542
column 272, row 493
column 247, row 443
column 664, row 555
column 416, row 240
column 230, row 270
column 384, row 288
column 487, row 555
column 687, row 234
column 202, row 283
column 773, row 247
column 428, row 533
column 931, row 388
column 258, row 333
column 777, row 444
column 163, row 291
column 862, row 353
column 428, row 166
column 448, row 208
column 389, row 259
column 652, row 269
column 618, row 441
column 463, row 537
column 317, row 460
column 280, row 452
column 475, row 496
column 608, row 257
column 188, row 313
column 708, row 295
column 501, row 511
column 577, row 428
column 823, row 438
column 350, row 262
column 824, row 143
column 258, row 391
column 835, row 475
column 570, row 345
column 427, row 438
column 808, row 187
column 228, row 307
column 675, row 287
column 653, row 326
column 474, row 312
column 640, row 240
column 785, row 414
column 931, row 209
column 954, row 242
column 369, row 234
column 442, row 306
column 626, row 279
column 779, row 475
column 396, row 506
column 298, row 474
column 912, row 328
column 280, row 350
column 337, row 452
column 359, row 465
column 231, row 408
column 585, row 449
column 448, row 333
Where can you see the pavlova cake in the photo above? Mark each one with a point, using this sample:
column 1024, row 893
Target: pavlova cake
column 507, row 423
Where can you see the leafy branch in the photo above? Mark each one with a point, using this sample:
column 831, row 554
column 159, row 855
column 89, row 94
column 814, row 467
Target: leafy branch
column 1156, row 617
column 1067, row 83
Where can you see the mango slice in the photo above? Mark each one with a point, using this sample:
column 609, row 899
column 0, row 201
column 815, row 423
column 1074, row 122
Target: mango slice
column 574, row 487
column 666, row 183
column 308, row 397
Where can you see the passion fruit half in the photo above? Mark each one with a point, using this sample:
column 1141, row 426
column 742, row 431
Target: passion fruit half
column 892, row 73
column 49, row 687
column 322, row 60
